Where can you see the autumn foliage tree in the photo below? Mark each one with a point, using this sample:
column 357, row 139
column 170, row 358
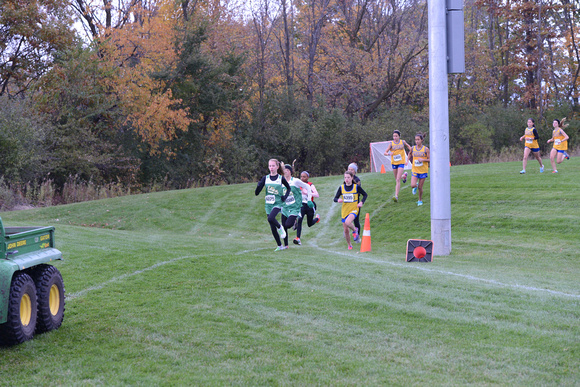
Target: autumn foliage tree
column 206, row 91
column 107, row 107
column 30, row 33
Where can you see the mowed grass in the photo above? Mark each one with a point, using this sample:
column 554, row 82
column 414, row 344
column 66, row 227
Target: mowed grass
column 184, row 288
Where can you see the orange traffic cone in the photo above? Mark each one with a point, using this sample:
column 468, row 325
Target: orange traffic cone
column 366, row 235
column 383, row 168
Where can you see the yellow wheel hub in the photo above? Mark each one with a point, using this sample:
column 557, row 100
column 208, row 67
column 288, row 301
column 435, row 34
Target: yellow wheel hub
column 25, row 310
column 54, row 300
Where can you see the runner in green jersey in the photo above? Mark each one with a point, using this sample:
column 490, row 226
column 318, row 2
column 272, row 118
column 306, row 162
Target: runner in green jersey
column 293, row 204
column 275, row 197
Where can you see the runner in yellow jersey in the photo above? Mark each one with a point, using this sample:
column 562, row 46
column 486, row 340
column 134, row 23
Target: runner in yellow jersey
column 351, row 204
column 419, row 157
column 531, row 137
column 354, row 169
column 396, row 149
column 560, row 140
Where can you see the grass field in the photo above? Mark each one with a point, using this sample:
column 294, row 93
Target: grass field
column 184, row 288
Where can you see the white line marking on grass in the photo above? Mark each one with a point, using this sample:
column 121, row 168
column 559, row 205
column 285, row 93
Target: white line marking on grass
column 252, row 251
column 450, row 273
column 208, row 213
column 313, row 242
column 72, row 296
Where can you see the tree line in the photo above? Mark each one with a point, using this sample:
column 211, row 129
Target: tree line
column 202, row 92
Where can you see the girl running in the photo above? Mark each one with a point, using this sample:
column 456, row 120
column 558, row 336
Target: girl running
column 419, row 157
column 311, row 216
column 531, row 136
column 274, row 198
column 560, row 140
column 293, row 203
column 352, row 167
column 396, row 149
column 351, row 204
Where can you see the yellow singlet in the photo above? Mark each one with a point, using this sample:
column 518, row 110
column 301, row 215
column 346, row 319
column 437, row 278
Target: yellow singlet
column 559, row 143
column 530, row 141
column 349, row 201
column 397, row 153
column 419, row 166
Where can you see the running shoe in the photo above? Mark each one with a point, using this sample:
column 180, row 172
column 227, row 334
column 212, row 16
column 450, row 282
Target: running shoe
column 279, row 248
column 355, row 234
column 281, row 232
column 566, row 155
column 542, row 169
column 316, row 219
column 419, row 203
column 555, row 171
column 350, row 247
column 395, row 199
column 414, row 190
column 285, row 247
column 297, row 241
column 522, row 171
column 405, row 177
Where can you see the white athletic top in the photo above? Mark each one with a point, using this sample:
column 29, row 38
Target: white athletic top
column 303, row 187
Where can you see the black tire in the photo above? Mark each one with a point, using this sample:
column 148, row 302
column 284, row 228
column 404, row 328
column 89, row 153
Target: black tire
column 50, row 295
column 22, row 311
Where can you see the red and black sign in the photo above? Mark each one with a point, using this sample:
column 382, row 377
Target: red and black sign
column 419, row 250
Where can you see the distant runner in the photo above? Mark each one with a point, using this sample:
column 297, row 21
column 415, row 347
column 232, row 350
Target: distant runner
column 396, row 149
column 560, row 140
column 531, row 137
column 419, row 157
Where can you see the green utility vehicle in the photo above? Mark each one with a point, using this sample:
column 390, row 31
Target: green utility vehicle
column 31, row 292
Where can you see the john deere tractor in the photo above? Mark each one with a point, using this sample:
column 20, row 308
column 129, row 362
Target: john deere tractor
column 31, row 290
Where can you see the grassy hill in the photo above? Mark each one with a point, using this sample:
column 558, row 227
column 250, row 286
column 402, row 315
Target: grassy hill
column 184, row 288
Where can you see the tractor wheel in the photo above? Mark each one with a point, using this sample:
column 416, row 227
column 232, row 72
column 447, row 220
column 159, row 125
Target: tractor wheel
column 50, row 294
column 22, row 311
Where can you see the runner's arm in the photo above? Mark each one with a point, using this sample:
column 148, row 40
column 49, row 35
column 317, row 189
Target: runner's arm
column 288, row 189
column 337, row 196
column 428, row 158
column 363, row 193
column 261, row 185
column 314, row 191
column 389, row 145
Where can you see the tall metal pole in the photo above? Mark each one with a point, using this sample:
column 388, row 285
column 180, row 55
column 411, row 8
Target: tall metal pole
column 439, row 130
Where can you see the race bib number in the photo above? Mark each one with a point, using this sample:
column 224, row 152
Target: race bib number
column 290, row 199
column 270, row 199
column 348, row 198
column 558, row 142
column 529, row 140
column 418, row 163
column 397, row 158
